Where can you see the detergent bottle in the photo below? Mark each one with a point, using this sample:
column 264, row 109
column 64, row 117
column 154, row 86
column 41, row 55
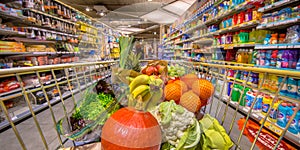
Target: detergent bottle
column 282, row 113
column 293, row 128
column 274, row 112
column 266, row 104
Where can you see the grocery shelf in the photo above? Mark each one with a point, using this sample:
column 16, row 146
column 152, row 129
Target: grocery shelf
column 203, row 41
column 51, row 31
column 231, row 46
column 230, row 12
column 10, row 32
column 39, row 108
column 231, row 63
column 277, row 46
column 26, row 40
column 13, row 53
column 258, row 117
column 188, row 40
column 182, row 49
column 277, row 5
column 22, row 20
column 245, row 25
column 279, row 24
column 51, row 16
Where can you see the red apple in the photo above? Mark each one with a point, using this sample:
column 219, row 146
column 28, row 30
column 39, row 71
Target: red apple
column 160, row 68
column 150, row 70
column 144, row 70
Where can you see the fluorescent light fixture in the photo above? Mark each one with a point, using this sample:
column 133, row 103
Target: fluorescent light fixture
column 88, row 9
column 178, row 7
column 160, row 17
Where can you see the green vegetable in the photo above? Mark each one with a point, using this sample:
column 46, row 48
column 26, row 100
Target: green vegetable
column 167, row 146
column 166, row 110
column 191, row 138
column 126, row 44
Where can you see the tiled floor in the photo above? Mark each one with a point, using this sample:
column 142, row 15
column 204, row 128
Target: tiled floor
column 32, row 140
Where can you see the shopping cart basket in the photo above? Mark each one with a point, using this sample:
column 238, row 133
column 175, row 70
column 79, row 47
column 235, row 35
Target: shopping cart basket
column 225, row 105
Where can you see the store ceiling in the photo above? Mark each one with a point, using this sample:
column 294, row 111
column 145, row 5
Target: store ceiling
column 138, row 17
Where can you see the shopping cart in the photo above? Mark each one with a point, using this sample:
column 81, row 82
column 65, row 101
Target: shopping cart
column 221, row 106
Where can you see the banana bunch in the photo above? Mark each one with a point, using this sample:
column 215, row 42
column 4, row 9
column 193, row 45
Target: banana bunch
column 146, row 88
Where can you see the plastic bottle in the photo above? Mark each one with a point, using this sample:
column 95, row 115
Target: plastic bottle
column 267, row 100
column 298, row 91
column 298, row 65
column 282, row 113
column 235, row 95
column 283, row 90
column 292, row 88
column 274, row 112
column 279, row 59
column 293, row 128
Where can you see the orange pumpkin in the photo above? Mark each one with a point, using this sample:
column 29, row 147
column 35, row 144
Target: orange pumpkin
column 172, row 92
column 189, row 79
column 129, row 129
column 203, row 88
column 190, row 101
column 182, row 85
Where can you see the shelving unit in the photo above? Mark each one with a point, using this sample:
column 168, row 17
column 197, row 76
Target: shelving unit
column 203, row 29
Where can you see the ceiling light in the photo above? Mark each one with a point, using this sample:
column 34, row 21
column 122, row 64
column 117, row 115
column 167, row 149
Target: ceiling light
column 139, row 22
column 129, row 25
column 102, row 13
column 149, row 0
column 88, row 9
column 154, row 33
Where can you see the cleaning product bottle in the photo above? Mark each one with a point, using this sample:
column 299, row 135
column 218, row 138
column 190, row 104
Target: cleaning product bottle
column 282, row 113
column 243, row 100
column 235, row 95
column 293, row 128
column 298, row 91
column 292, row 88
column 279, row 59
column 283, row 90
column 266, row 104
column 274, row 112
column 298, row 64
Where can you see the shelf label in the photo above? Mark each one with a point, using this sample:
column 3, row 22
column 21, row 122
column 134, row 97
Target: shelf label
column 272, row 127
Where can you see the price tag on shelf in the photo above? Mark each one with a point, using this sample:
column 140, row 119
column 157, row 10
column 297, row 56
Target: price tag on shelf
column 282, row 46
column 14, row 118
column 270, row 25
column 296, row 46
column 272, row 127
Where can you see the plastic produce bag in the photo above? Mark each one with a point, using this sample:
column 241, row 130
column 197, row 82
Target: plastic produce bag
column 214, row 135
column 85, row 121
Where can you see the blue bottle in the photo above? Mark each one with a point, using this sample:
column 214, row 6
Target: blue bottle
column 293, row 128
column 298, row 89
column 292, row 86
column 283, row 90
column 298, row 65
column 282, row 113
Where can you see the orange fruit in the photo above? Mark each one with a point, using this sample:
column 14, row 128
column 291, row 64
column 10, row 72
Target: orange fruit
column 182, row 85
column 190, row 101
column 203, row 88
column 172, row 92
column 189, row 79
